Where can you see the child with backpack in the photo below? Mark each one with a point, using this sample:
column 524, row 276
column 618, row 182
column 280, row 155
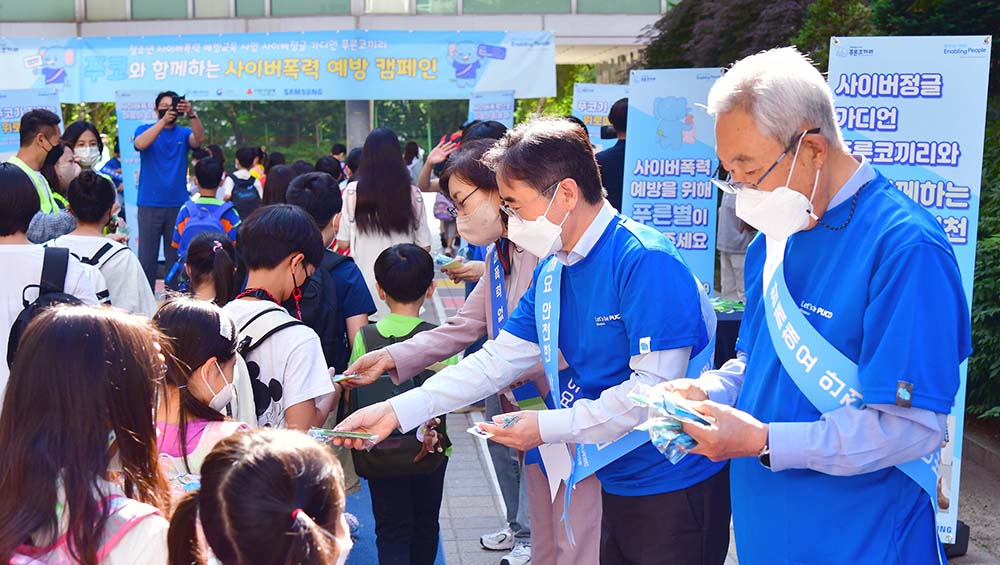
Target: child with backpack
column 281, row 248
column 335, row 300
column 243, row 188
column 91, row 200
column 30, row 272
column 197, row 389
column 206, row 213
column 405, row 472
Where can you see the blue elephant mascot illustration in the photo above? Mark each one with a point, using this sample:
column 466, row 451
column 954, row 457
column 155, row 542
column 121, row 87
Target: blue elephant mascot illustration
column 467, row 62
column 673, row 121
column 54, row 61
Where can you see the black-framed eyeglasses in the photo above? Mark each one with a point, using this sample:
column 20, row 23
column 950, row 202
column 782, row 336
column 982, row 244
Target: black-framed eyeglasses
column 734, row 187
column 506, row 209
column 453, row 210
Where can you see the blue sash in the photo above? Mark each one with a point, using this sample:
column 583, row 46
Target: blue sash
column 527, row 395
column 590, row 458
column 822, row 373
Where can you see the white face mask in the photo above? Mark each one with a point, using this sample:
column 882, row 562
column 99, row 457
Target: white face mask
column 224, row 396
column 87, row 156
column 482, row 226
column 540, row 237
column 781, row 212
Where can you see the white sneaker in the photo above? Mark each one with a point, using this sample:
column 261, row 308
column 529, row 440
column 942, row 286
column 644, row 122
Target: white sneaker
column 520, row 556
column 498, row 541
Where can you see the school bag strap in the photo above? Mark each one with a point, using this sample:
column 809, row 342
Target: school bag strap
column 55, row 263
column 262, row 326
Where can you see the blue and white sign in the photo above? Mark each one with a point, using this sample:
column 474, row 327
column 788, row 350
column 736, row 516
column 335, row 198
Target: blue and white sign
column 14, row 104
column 321, row 65
column 592, row 103
column 133, row 109
column 916, row 108
column 669, row 159
column 497, row 106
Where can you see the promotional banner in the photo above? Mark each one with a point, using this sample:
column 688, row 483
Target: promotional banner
column 14, row 104
column 592, row 103
column 321, row 65
column 497, row 106
column 916, row 108
column 669, row 159
column 133, row 109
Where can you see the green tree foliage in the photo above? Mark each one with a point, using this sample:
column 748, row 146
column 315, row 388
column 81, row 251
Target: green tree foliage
column 984, row 365
column 562, row 103
column 300, row 129
column 101, row 114
column 423, row 121
column 943, row 17
column 715, row 33
column 828, row 18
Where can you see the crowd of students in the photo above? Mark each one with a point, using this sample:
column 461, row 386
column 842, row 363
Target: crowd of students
column 138, row 432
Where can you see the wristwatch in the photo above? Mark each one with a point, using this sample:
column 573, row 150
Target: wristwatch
column 193, row 116
column 764, row 457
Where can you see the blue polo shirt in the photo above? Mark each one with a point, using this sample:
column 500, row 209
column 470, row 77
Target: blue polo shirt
column 885, row 291
column 163, row 173
column 632, row 287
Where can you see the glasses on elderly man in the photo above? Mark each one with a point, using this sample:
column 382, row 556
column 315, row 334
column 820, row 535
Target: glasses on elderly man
column 734, row 187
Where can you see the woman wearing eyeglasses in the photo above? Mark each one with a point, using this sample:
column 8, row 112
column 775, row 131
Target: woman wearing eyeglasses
column 482, row 220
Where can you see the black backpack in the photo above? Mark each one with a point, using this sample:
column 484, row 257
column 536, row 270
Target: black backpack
column 50, row 293
column 321, row 310
column 244, row 196
column 393, row 457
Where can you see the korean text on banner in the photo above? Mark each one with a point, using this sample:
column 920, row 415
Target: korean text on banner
column 320, row 65
column 13, row 105
column 497, row 106
column 669, row 159
column 592, row 103
column 916, row 107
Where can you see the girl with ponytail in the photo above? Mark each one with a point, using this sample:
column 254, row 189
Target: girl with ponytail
column 198, row 387
column 268, row 496
column 211, row 267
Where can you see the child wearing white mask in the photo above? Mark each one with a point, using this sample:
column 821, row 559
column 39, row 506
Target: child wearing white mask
column 198, row 386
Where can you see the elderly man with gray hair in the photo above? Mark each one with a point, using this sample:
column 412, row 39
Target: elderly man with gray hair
column 855, row 325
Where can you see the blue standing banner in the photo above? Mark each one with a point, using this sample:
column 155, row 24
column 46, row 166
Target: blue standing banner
column 669, row 159
column 314, row 65
column 497, row 106
column 14, row 104
column 133, row 108
column 591, row 103
column 916, row 108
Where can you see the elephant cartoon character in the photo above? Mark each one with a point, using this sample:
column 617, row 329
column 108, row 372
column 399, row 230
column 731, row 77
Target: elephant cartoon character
column 466, row 60
column 674, row 121
column 54, row 61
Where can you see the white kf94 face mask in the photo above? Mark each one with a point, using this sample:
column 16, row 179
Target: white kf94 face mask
column 540, row 237
column 781, row 212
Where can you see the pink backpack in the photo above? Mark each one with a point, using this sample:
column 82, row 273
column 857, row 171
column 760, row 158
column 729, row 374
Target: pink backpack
column 125, row 515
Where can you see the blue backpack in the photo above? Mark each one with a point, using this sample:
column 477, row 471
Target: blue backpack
column 201, row 219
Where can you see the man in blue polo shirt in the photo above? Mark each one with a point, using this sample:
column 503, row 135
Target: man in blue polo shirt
column 163, row 149
column 855, row 325
column 627, row 311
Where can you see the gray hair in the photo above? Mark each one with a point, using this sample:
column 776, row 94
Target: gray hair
column 783, row 93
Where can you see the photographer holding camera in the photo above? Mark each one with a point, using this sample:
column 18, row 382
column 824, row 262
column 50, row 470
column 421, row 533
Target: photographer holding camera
column 163, row 148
